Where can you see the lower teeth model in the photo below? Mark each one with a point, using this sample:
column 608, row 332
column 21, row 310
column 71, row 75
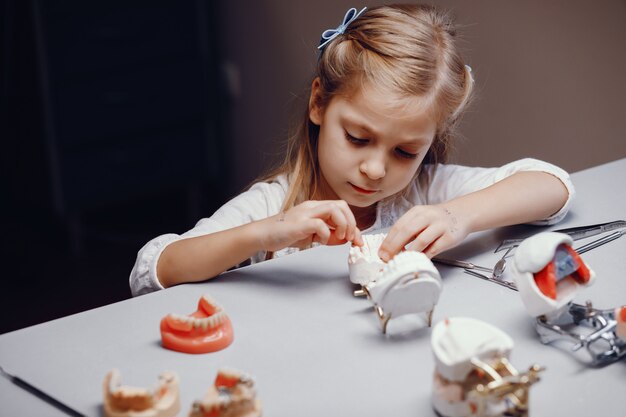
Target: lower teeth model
column 407, row 284
column 232, row 395
column 208, row 329
column 549, row 274
column 124, row 401
column 473, row 376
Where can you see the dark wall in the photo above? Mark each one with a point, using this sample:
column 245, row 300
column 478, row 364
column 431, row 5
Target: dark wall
column 114, row 130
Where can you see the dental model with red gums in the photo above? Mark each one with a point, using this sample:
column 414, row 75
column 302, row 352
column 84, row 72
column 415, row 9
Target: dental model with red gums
column 125, row 401
column 208, row 329
column 232, row 395
column 549, row 273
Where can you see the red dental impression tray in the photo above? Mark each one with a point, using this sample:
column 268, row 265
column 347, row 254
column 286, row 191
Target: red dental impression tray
column 208, row 329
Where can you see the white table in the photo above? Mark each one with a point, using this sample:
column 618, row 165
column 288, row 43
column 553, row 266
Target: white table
column 313, row 348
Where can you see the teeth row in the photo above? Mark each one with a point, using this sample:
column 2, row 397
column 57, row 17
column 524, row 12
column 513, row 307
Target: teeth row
column 369, row 250
column 205, row 323
column 211, row 302
column 216, row 404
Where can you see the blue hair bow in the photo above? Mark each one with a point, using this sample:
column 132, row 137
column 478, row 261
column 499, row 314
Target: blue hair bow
column 330, row 34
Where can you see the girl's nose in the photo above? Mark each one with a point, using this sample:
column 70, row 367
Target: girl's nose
column 374, row 167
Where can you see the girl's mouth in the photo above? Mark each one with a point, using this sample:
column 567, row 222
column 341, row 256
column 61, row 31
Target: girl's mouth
column 362, row 190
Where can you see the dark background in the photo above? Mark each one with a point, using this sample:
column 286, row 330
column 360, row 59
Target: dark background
column 111, row 114
column 124, row 120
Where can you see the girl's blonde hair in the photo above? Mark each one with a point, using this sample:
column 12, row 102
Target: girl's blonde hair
column 407, row 50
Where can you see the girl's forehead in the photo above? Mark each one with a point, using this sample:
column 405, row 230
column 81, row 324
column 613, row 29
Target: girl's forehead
column 406, row 118
column 378, row 101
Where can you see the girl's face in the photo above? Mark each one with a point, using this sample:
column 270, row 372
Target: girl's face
column 370, row 144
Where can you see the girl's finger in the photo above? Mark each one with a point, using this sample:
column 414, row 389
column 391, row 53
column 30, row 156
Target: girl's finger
column 398, row 237
column 332, row 214
column 320, row 230
column 425, row 239
column 351, row 221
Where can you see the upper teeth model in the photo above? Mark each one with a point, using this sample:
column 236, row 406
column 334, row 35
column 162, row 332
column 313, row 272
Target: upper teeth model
column 549, row 274
column 407, row 284
column 364, row 263
column 232, row 395
column 473, row 376
column 208, row 329
column 124, row 401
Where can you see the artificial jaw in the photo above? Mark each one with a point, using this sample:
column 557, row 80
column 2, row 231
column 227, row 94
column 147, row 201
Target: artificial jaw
column 549, row 273
column 125, row 401
column 473, row 376
column 208, row 329
column 232, row 395
column 364, row 263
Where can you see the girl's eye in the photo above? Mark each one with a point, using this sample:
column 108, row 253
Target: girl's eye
column 404, row 154
column 354, row 140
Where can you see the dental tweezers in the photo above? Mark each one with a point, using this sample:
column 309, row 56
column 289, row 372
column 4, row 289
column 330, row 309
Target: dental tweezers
column 576, row 233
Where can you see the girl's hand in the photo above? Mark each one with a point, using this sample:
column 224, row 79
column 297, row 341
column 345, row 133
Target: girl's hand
column 327, row 222
column 428, row 229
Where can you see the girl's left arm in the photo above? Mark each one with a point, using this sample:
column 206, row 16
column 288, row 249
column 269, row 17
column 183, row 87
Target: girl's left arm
column 523, row 197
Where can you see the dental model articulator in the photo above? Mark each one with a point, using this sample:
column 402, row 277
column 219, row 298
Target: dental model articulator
column 549, row 273
column 473, row 375
column 407, row 284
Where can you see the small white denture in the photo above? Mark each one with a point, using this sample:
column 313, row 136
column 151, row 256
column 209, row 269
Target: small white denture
column 126, row 401
column 533, row 255
column 364, row 263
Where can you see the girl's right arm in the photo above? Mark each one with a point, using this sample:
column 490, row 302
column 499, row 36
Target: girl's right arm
column 203, row 257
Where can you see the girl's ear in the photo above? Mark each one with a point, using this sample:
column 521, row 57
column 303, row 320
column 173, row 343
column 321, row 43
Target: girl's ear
column 315, row 108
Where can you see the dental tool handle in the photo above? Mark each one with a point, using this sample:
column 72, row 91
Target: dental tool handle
column 42, row 395
column 461, row 264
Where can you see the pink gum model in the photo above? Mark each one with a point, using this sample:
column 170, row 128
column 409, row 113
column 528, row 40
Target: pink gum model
column 208, row 329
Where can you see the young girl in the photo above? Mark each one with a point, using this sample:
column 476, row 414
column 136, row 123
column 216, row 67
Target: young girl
column 388, row 92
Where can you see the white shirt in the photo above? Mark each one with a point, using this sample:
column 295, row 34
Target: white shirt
column 265, row 199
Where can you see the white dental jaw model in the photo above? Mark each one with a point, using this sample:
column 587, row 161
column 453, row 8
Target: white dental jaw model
column 364, row 263
column 407, row 284
column 548, row 273
column 473, row 376
column 125, row 401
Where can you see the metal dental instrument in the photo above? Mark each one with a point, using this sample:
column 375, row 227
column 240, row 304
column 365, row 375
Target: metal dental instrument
column 40, row 394
column 576, row 233
column 599, row 242
column 507, row 284
column 461, row 264
column 574, row 324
